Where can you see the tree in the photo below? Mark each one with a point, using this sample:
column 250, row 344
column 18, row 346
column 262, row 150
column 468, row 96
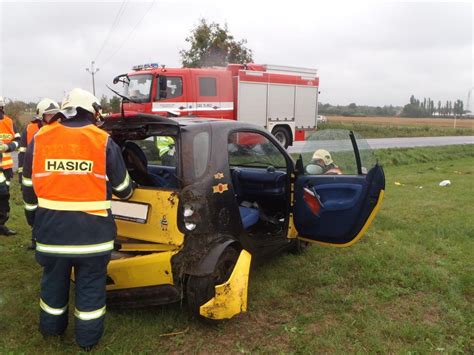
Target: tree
column 115, row 104
column 104, row 103
column 213, row 45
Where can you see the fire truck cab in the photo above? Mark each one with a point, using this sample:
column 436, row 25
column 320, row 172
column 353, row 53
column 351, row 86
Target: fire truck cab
column 282, row 99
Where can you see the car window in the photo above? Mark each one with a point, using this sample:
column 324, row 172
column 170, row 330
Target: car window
column 159, row 150
column 201, row 150
column 330, row 152
column 253, row 149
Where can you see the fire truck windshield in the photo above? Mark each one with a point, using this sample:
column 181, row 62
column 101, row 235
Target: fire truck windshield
column 139, row 87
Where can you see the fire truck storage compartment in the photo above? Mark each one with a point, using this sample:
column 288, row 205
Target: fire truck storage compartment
column 253, row 103
column 263, row 102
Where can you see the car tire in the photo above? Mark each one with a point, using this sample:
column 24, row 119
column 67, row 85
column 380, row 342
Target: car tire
column 298, row 247
column 200, row 289
column 282, row 135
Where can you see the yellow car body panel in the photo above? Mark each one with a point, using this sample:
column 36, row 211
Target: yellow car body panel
column 230, row 297
column 139, row 271
column 162, row 221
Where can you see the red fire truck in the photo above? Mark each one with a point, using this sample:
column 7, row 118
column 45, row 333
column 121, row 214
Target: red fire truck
column 282, row 99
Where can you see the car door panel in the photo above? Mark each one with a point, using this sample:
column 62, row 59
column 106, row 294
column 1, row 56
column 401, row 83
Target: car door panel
column 348, row 204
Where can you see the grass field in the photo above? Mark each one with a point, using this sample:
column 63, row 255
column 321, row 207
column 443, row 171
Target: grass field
column 389, row 130
column 408, row 286
column 406, row 121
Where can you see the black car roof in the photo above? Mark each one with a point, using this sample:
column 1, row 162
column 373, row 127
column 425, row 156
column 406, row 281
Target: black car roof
column 135, row 119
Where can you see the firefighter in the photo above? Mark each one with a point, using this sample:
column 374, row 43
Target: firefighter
column 9, row 142
column 166, row 149
column 45, row 110
column 322, row 163
column 70, row 171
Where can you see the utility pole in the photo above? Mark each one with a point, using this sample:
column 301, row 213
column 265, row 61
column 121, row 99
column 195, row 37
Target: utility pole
column 92, row 71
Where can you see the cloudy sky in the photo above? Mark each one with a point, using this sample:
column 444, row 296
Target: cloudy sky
column 373, row 53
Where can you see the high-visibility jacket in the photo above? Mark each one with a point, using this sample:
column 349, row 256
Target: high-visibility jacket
column 7, row 135
column 31, row 130
column 69, row 169
column 164, row 144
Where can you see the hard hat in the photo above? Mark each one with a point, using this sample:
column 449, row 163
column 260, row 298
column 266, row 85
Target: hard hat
column 324, row 155
column 46, row 106
column 79, row 98
column 2, row 102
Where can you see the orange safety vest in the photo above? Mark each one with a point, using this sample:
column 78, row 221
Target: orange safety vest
column 7, row 135
column 69, row 169
column 31, row 130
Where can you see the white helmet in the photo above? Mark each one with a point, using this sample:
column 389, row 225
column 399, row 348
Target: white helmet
column 2, row 101
column 46, row 106
column 324, row 155
column 79, row 98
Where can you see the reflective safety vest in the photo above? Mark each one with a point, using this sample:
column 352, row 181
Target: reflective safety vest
column 31, row 130
column 7, row 135
column 164, row 144
column 69, row 169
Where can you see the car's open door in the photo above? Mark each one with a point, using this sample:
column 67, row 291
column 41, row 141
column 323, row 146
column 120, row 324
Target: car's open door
column 335, row 201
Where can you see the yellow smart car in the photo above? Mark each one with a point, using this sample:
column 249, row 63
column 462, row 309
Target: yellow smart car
column 214, row 194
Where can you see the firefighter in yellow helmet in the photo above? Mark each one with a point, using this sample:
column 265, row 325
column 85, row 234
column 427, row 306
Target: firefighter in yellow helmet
column 9, row 142
column 70, row 171
column 322, row 163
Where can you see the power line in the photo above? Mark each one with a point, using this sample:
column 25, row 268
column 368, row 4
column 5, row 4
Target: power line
column 114, row 25
column 129, row 34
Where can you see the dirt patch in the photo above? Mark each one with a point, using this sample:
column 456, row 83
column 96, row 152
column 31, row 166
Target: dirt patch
column 414, row 308
column 404, row 121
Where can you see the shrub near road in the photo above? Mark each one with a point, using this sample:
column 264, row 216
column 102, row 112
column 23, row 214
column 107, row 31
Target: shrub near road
column 407, row 286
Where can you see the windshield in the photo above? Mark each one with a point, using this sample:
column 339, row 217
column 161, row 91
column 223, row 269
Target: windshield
column 139, row 87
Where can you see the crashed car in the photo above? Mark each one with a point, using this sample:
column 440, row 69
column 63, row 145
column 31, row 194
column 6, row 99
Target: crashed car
column 220, row 195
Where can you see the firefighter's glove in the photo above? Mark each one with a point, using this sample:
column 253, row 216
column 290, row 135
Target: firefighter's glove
column 3, row 148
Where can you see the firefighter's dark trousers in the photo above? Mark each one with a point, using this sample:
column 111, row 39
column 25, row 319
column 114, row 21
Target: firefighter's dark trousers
column 5, row 198
column 90, row 277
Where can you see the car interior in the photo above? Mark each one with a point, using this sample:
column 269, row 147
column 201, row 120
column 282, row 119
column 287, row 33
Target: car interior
column 144, row 173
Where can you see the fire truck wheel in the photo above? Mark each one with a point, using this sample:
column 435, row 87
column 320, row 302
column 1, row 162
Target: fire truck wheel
column 200, row 289
column 282, row 134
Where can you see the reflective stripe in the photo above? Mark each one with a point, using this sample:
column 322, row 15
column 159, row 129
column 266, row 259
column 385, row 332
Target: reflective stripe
column 89, row 315
column 6, row 162
column 51, row 310
column 20, row 170
column 30, row 207
column 22, row 149
column 8, row 183
column 123, row 185
column 73, row 206
column 7, row 155
column 2, row 178
column 16, row 144
column 17, row 135
column 75, row 249
column 26, row 182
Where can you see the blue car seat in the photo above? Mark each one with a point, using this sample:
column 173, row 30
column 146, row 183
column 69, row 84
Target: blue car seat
column 249, row 216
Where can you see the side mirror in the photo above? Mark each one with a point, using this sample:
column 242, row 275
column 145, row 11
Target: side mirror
column 163, row 85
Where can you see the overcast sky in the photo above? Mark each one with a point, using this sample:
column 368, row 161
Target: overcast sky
column 373, row 53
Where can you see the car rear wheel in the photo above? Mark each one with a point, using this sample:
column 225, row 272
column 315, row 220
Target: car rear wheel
column 282, row 135
column 200, row 289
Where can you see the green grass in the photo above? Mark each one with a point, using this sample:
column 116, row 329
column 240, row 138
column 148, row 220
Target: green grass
column 388, row 131
column 408, row 286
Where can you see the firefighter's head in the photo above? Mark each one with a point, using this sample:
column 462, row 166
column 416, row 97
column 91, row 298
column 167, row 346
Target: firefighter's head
column 46, row 109
column 79, row 102
column 322, row 157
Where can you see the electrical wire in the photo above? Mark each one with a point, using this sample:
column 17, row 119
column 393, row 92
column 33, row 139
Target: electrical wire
column 129, row 34
column 114, row 25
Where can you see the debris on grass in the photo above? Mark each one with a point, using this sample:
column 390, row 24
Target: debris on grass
column 445, row 183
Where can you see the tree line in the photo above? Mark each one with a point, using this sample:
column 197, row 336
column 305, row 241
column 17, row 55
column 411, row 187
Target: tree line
column 428, row 108
column 352, row 110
